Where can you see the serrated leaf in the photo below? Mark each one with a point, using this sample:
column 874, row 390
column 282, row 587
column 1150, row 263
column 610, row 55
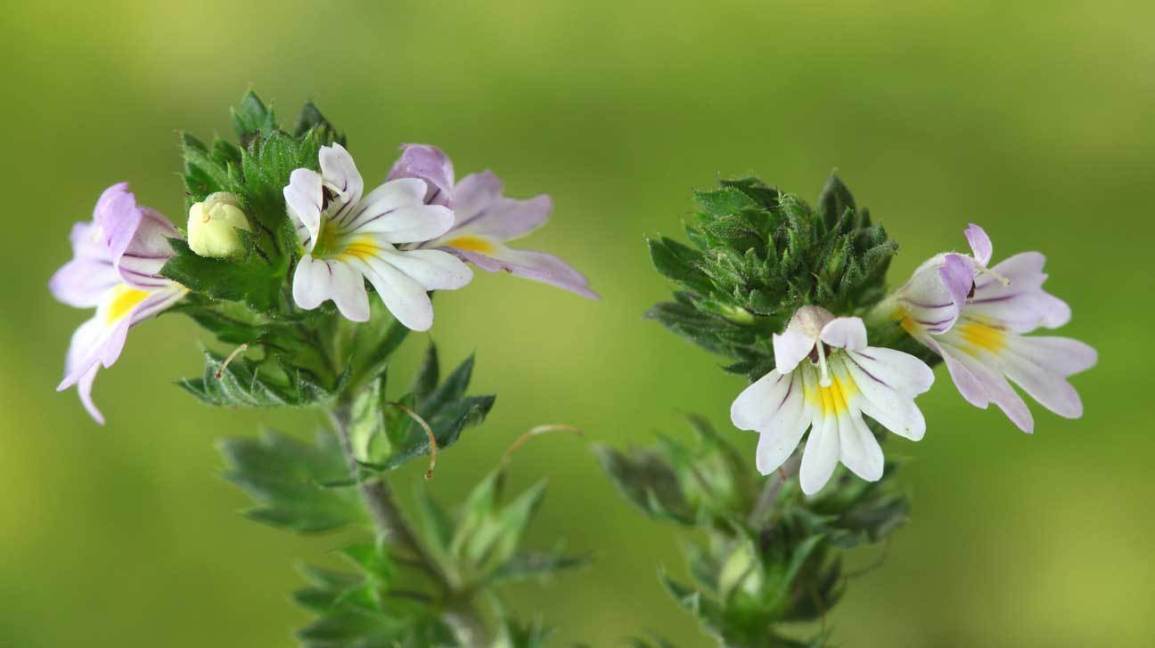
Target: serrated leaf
column 285, row 478
column 647, row 480
column 247, row 383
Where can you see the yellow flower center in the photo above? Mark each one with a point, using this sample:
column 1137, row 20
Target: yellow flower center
column 982, row 336
column 124, row 299
column 835, row 399
column 472, row 243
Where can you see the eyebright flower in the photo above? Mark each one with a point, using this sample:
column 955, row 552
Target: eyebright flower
column 214, row 226
column 484, row 220
column 826, row 379
column 974, row 317
column 347, row 237
column 116, row 269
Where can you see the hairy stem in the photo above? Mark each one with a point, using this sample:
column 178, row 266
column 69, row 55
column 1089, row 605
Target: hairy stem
column 773, row 486
column 458, row 612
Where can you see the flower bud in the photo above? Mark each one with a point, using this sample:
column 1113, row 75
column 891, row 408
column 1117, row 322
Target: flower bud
column 213, row 226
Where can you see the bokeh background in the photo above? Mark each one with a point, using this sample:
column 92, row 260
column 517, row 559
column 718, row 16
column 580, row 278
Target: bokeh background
column 1033, row 118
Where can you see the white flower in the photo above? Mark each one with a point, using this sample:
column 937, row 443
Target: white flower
column 347, row 238
column 825, row 379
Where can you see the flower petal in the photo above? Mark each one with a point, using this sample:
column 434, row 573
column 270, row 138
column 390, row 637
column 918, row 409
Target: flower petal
column 859, row 450
column 981, row 383
column 536, row 266
column 430, row 164
column 408, row 224
column 84, row 390
column 340, row 174
column 1040, row 366
column 403, row 296
column 318, row 280
column 902, row 372
column 845, row 333
column 433, row 269
column 481, row 209
column 929, row 302
column 1020, row 304
column 303, row 199
column 820, row 456
column 980, row 243
column 780, row 437
column 148, row 250
column 791, row 346
column 117, row 218
column 84, row 280
column 762, row 400
column 888, row 403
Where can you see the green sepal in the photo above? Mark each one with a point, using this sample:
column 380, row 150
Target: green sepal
column 251, row 383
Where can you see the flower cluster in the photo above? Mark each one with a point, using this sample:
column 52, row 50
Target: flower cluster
column 973, row 316
column 415, row 233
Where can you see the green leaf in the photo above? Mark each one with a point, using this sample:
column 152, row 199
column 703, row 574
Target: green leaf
column 253, row 118
column 249, row 383
column 251, row 278
column 536, row 564
column 647, row 480
column 286, row 476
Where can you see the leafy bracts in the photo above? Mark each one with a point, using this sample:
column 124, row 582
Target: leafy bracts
column 768, row 556
column 756, row 255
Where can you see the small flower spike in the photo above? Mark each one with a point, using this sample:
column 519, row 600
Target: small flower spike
column 116, row 269
column 975, row 317
column 826, row 379
column 347, row 237
column 484, row 220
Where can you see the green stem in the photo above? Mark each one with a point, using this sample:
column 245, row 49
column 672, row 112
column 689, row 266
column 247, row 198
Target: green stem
column 458, row 611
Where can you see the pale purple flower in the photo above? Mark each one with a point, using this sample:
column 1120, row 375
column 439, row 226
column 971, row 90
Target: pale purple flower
column 484, row 220
column 347, row 237
column 826, row 379
column 116, row 269
column 975, row 317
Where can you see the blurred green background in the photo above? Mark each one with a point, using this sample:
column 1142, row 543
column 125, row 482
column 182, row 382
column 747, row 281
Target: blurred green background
column 1034, row 119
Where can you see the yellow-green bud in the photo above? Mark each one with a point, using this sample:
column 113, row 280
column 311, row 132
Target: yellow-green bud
column 213, row 226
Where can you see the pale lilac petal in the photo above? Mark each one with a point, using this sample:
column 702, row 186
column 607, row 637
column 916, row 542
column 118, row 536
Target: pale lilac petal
column 1050, row 389
column 927, row 300
column 340, row 174
column 84, row 390
column 430, row 164
column 475, row 193
column 84, row 351
column 820, row 457
column 405, row 298
column 409, row 224
column 117, row 218
column 980, row 243
column 433, row 269
column 536, row 266
column 957, row 274
column 969, row 372
column 1020, row 304
column 845, row 333
column 1060, row 355
column 858, row 449
column 84, row 280
column 481, row 209
column 140, row 263
column 303, row 200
